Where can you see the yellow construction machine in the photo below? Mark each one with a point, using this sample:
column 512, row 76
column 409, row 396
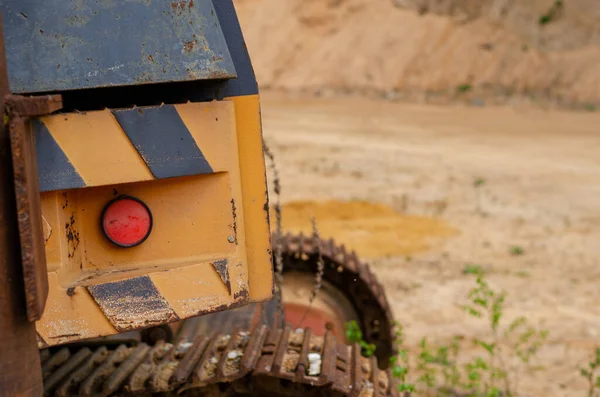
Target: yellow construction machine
column 135, row 218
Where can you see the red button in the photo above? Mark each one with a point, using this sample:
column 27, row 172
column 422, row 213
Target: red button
column 127, row 221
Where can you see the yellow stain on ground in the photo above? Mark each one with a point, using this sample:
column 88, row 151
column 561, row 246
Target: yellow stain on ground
column 371, row 229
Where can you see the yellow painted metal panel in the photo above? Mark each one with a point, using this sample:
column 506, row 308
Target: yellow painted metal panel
column 192, row 290
column 70, row 316
column 53, row 243
column 255, row 203
column 209, row 248
column 98, row 148
column 206, row 122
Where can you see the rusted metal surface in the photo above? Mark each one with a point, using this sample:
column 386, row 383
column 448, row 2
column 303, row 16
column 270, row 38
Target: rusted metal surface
column 259, row 362
column 33, row 106
column 351, row 277
column 132, row 303
column 85, row 45
column 27, row 193
column 20, row 371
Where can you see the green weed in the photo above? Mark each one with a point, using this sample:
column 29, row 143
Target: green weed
column 471, row 268
column 492, row 371
column 590, row 373
column 479, row 182
column 552, row 13
column 517, row 250
column 464, row 88
column 400, row 363
column 355, row 335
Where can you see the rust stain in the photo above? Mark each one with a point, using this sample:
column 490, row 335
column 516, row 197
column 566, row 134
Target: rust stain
column 64, row 336
column 189, row 45
column 234, row 215
column 72, row 236
column 66, row 204
column 243, row 294
column 178, row 7
column 40, row 341
column 191, row 4
column 221, row 308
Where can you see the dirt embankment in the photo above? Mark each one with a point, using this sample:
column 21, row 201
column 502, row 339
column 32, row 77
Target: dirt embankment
column 481, row 50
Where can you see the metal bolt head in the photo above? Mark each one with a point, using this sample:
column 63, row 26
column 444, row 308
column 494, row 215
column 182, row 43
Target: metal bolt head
column 231, row 239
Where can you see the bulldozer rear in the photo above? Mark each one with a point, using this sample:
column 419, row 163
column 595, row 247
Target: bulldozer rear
column 144, row 217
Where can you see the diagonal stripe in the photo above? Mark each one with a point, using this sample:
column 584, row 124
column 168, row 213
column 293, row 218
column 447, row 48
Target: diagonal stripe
column 163, row 141
column 98, row 148
column 55, row 171
column 132, row 303
column 212, row 125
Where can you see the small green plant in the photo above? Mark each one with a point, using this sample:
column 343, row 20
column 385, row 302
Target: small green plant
column 590, row 107
column 443, row 371
column 489, row 375
column 355, row 335
column 517, row 250
column 400, row 363
column 486, row 374
column 552, row 13
column 590, row 373
column 478, row 182
column 471, row 268
column 464, row 88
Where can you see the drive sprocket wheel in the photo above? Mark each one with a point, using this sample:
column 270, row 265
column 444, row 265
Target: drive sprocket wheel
column 350, row 290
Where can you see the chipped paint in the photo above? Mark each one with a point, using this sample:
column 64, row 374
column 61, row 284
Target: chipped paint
column 47, row 229
column 234, row 224
column 132, row 303
column 72, row 236
column 75, row 47
column 95, row 73
column 222, row 269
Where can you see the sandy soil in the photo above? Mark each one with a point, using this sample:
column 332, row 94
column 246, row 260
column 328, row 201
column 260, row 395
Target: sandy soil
column 426, row 50
column 397, row 182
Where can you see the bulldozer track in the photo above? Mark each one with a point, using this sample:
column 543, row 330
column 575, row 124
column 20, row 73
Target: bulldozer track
column 277, row 361
column 354, row 279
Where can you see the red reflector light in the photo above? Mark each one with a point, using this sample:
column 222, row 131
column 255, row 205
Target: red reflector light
column 127, row 221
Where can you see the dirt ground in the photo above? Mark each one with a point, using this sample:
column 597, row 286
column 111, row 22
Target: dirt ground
column 483, row 51
column 422, row 191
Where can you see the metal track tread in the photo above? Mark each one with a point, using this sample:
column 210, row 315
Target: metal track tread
column 354, row 279
column 263, row 362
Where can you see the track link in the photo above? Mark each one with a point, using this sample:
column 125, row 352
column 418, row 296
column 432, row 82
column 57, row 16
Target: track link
column 263, row 362
column 354, row 279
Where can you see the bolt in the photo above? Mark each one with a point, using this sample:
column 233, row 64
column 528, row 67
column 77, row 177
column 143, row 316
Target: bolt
column 231, row 239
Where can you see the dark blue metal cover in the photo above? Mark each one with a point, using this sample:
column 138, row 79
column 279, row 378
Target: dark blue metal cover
column 57, row 45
